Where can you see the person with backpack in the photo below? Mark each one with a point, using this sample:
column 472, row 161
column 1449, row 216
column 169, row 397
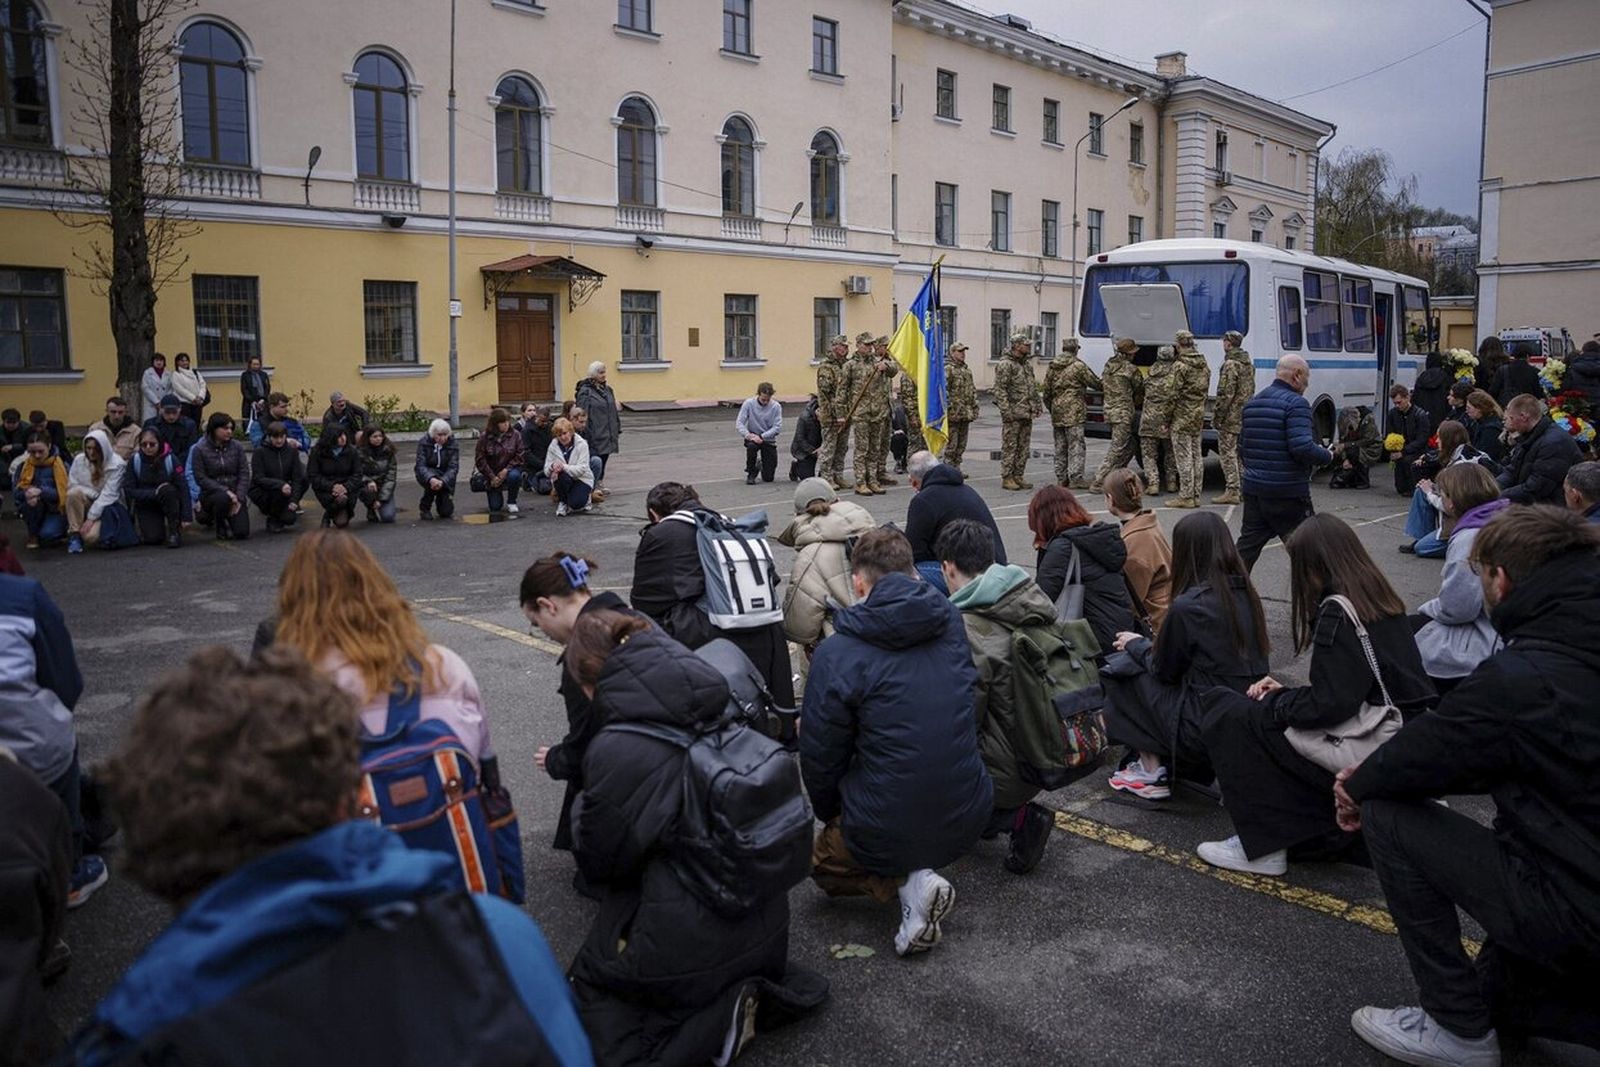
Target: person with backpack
column 154, row 488
column 1001, row 608
column 819, row 584
column 664, row 976
column 889, row 743
column 295, row 922
column 1067, row 538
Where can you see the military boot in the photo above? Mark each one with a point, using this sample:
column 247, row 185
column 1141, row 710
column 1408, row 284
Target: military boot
column 1184, row 502
column 1010, row 484
column 1229, row 497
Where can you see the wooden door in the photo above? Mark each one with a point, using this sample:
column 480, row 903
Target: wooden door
column 525, row 345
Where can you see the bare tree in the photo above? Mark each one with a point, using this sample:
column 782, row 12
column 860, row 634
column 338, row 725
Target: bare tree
column 1366, row 212
column 125, row 190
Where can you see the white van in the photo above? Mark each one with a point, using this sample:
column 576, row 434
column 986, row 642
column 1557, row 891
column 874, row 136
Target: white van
column 1539, row 343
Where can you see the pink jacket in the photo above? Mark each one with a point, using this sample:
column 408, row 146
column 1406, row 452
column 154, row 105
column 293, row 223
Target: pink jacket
column 458, row 701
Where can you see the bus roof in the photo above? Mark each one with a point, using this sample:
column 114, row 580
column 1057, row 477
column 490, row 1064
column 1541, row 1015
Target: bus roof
column 1208, row 248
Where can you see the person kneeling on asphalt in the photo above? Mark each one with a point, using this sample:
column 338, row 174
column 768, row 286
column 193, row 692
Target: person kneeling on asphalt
column 759, row 423
column 889, row 746
column 222, row 471
column 995, row 600
column 438, row 463
column 566, row 464
column 277, row 481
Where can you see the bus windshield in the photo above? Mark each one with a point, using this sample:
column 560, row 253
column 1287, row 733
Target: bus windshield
column 1217, row 295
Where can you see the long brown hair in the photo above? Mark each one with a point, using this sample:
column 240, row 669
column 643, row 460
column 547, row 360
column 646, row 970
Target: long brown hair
column 595, row 636
column 334, row 596
column 1125, row 490
column 1452, row 435
column 1053, row 509
column 1326, row 557
column 1485, row 402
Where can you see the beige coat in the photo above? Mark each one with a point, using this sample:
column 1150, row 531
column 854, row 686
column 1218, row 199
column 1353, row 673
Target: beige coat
column 1149, row 565
column 821, row 573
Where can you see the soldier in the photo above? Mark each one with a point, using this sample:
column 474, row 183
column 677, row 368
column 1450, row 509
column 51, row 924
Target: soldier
column 1187, row 389
column 906, row 393
column 1017, row 396
column 1064, row 386
column 884, row 384
column 833, row 405
column 1236, row 383
column 871, row 420
column 1122, row 386
column 960, row 403
column 1155, row 421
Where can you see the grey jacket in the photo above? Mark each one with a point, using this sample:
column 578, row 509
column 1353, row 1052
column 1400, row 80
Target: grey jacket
column 605, row 424
column 1460, row 636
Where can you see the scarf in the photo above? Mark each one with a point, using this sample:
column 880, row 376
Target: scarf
column 26, row 475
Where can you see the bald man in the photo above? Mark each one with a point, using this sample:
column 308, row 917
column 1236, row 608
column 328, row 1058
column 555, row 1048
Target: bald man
column 1279, row 452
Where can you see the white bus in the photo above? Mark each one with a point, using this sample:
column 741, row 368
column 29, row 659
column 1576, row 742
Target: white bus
column 1359, row 328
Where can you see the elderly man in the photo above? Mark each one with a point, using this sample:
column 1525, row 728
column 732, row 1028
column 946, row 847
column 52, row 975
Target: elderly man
column 1544, row 452
column 1279, row 452
column 343, row 413
column 1582, row 490
column 942, row 496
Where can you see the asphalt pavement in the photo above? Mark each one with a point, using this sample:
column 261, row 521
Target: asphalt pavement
column 1121, row 946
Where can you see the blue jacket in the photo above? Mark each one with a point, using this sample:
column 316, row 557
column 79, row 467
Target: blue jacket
column 888, row 741
column 295, row 432
column 285, row 906
column 39, row 679
column 1277, row 445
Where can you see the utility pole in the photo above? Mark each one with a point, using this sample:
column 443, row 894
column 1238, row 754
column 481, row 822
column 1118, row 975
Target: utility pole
column 1132, row 100
column 455, row 302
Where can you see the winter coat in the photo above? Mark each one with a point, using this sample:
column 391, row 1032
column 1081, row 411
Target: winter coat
column 124, row 440
column 143, row 478
column 1277, row 446
column 992, row 606
column 1197, row 645
column 1236, row 383
column 575, row 457
column 1359, row 442
column 1538, row 465
column 497, row 452
column 1516, row 378
column 325, row 470
column 1413, row 425
column 1148, row 568
column 108, row 490
column 190, row 386
column 1065, row 383
column 605, row 423
column 807, row 433
column 437, row 461
column 1583, row 374
column 285, row 908
column 1460, row 636
column 254, row 388
column 381, row 468
column 564, row 760
column 35, row 854
column 1432, row 393
column 223, row 468
column 1101, row 558
column 944, row 497
column 152, row 387
column 1485, row 436
column 820, row 582
column 39, row 679
column 1521, row 728
column 354, row 420
column 1341, row 678
column 888, row 738
column 273, row 468
column 535, row 439
column 654, row 975
column 178, row 435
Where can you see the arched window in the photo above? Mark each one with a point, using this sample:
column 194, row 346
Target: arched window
column 738, row 168
column 824, row 179
column 516, row 137
column 216, row 107
column 636, row 153
column 383, row 121
column 24, row 92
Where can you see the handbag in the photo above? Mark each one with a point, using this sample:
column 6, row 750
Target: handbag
column 478, row 483
column 1069, row 602
column 1336, row 747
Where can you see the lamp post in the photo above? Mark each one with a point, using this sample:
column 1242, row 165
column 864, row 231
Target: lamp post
column 455, row 303
column 1132, row 100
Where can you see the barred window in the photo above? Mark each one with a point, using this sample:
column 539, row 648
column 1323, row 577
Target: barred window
column 391, row 320
column 33, row 319
column 641, row 326
column 227, row 318
column 738, row 327
column 827, row 322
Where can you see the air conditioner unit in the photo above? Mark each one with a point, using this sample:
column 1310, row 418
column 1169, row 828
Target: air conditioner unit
column 1035, row 337
column 1224, row 177
column 858, row 285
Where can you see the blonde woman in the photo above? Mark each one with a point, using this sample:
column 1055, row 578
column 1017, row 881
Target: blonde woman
column 566, row 464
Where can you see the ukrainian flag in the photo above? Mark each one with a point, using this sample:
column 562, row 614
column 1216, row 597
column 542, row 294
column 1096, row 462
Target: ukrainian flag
column 918, row 346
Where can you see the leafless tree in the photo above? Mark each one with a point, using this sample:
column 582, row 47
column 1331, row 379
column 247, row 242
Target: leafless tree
column 1366, row 212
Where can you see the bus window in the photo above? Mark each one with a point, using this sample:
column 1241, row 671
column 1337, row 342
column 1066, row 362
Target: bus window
column 1416, row 320
column 1216, row 295
column 1357, row 306
column 1322, row 311
column 1289, row 326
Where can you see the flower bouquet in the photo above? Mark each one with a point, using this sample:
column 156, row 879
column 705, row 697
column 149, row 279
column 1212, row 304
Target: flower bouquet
column 1393, row 443
column 1550, row 376
column 1462, row 363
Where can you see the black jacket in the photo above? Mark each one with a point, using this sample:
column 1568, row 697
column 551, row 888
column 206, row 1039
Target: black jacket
column 325, row 470
column 1523, row 728
column 652, row 975
column 1341, row 678
column 35, row 867
column 273, row 468
column 144, row 478
column 1196, row 642
column 535, row 444
column 1538, row 465
column 888, row 738
column 438, row 461
column 353, row 420
column 1517, row 377
column 1583, row 374
column 254, row 387
column 564, row 761
column 179, row 436
column 1485, row 436
column 943, row 498
column 807, row 433
column 1415, row 426
column 1432, row 392
column 1101, row 554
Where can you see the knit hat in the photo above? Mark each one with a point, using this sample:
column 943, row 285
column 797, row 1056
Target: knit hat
column 171, row 401
column 813, row 489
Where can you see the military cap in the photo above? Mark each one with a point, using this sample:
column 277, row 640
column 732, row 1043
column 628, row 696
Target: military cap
column 1126, row 344
column 881, row 339
column 864, row 337
column 1070, row 345
column 1234, row 338
column 1184, row 338
column 839, row 339
column 1165, row 350
column 1020, row 334
column 959, row 346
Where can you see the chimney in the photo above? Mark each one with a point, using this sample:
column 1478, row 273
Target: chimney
column 1172, row 64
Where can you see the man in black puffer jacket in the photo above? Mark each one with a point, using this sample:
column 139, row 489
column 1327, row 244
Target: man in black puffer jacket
column 1544, row 452
column 943, row 496
column 1517, row 378
column 1583, row 374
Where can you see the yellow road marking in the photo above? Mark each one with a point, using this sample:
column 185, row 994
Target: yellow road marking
column 491, row 628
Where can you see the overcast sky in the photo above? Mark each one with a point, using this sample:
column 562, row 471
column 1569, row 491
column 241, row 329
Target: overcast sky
column 1426, row 112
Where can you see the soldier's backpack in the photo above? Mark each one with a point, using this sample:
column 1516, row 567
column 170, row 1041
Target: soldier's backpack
column 1056, row 698
column 741, row 576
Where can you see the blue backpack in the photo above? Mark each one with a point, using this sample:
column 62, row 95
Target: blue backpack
column 419, row 780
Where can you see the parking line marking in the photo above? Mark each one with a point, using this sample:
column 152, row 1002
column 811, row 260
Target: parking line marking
column 493, row 629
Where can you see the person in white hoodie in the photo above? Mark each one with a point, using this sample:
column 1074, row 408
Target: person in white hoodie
column 94, row 482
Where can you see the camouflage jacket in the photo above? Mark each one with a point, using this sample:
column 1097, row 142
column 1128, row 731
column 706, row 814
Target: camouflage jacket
column 863, row 379
column 1157, row 416
column 906, row 393
column 1064, row 385
column 833, row 394
column 1016, row 393
column 960, row 394
column 1124, row 388
column 1358, row 437
column 1187, row 389
column 1236, row 383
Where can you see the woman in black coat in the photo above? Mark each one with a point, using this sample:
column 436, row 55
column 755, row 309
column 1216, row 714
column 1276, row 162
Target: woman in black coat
column 1281, row 802
column 334, row 470
column 154, row 487
column 1060, row 526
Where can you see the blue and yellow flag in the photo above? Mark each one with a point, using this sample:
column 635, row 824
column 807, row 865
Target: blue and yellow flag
column 918, row 346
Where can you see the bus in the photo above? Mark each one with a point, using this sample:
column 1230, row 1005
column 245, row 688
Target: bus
column 1358, row 327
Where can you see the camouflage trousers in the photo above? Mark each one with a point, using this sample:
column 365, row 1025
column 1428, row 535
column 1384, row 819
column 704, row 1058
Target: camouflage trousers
column 880, row 458
column 1188, row 457
column 1228, row 451
column 955, row 445
column 1159, row 476
column 1016, row 441
column 1121, row 453
column 830, row 457
column 1069, row 455
column 872, row 445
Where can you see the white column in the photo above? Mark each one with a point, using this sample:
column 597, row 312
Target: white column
column 1189, row 196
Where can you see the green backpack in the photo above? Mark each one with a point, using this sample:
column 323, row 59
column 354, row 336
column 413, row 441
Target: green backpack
column 1056, row 697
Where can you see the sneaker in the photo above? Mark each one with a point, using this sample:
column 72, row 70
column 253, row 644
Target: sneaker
column 1411, row 1036
column 1409, row 549
column 1142, row 783
column 90, row 874
column 1028, row 840
column 925, row 900
column 33, row 542
column 585, row 508
column 749, row 479
column 561, row 509
column 512, row 509
column 1229, row 855
column 741, row 1028
column 74, row 545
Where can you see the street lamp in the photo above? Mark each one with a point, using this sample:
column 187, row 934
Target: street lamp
column 1132, row 100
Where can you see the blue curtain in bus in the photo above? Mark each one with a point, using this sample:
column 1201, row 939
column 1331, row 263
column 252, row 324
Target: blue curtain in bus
column 1217, row 295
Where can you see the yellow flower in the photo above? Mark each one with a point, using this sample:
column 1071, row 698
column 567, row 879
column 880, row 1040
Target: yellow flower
column 1393, row 443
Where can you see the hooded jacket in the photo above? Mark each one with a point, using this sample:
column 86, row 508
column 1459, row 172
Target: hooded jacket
column 39, row 679
column 381, row 468
column 1538, row 465
column 888, row 738
column 807, row 433
column 820, row 583
column 944, row 497
column 1459, row 635
column 1431, row 393
column 564, row 760
column 605, row 424
column 125, row 439
column 1102, row 555
column 108, row 490
column 1485, row 435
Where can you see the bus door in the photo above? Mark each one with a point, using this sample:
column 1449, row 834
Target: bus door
column 1383, row 315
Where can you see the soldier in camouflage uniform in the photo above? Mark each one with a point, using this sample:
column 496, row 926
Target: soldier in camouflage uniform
column 1064, row 386
column 884, row 384
column 866, row 388
column 1155, row 421
column 833, row 404
column 1187, row 389
column 906, row 393
column 1016, row 394
column 1123, row 387
column 1236, row 383
column 960, row 403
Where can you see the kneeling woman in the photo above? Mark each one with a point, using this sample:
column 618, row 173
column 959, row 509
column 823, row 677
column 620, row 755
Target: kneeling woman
column 566, row 464
column 661, row 979
column 334, row 470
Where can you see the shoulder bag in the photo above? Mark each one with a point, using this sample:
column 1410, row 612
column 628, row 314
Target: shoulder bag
column 1069, row 602
column 1351, row 741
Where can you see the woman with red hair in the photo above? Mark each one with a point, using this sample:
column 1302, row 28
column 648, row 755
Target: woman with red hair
column 1061, row 530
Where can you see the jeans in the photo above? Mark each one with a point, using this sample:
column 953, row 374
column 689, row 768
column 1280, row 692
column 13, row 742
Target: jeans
column 507, row 492
column 573, row 492
column 384, row 509
column 933, row 574
column 1266, row 517
column 538, row 482
column 597, row 464
column 1423, row 517
column 67, row 788
column 45, row 520
column 444, row 500
column 764, row 456
column 1429, row 546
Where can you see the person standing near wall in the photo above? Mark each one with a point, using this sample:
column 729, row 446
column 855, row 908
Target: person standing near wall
column 833, row 407
column 960, row 404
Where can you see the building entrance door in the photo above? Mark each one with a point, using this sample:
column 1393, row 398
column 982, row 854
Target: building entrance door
column 525, row 346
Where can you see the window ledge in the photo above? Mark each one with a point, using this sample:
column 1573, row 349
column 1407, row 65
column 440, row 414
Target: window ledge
column 41, row 377
column 628, row 366
column 998, row 132
column 536, row 10
column 743, row 57
column 1057, row 145
column 638, row 35
column 396, row 370
column 947, row 120
column 742, row 364
column 1136, row 165
column 1096, row 155
column 826, row 76
column 229, row 373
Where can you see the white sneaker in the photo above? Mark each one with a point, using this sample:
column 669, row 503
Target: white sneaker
column 741, row 1029
column 512, row 509
column 561, row 509
column 1411, row 1036
column 925, row 900
column 1229, row 855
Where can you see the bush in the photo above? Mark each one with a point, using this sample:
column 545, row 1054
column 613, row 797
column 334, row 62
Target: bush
column 384, row 411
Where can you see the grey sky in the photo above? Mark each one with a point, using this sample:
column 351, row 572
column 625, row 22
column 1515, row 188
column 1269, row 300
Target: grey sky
column 1425, row 112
